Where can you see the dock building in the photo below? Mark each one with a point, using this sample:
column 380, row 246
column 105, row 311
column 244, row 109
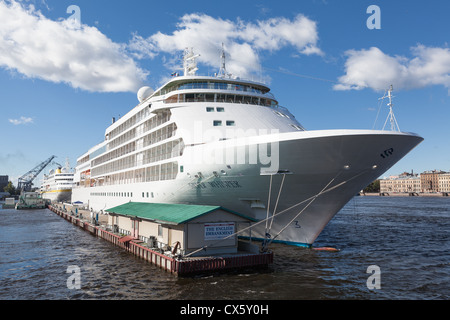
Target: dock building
column 180, row 227
column 203, row 237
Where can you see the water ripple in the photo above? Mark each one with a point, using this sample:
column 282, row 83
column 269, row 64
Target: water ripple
column 408, row 238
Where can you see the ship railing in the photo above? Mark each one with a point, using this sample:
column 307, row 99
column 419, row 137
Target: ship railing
column 212, row 86
column 224, row 98
column 278, row 107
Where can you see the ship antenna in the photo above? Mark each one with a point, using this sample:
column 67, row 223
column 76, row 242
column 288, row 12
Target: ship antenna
column 223, row 70
column 189, row 62
column 67, row 164
column 391, row 116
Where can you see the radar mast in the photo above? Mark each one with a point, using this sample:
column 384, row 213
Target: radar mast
column 223, row 71
column 391, row 116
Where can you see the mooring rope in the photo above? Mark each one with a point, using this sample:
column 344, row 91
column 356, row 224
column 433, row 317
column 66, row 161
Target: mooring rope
column 301, row 211
column 281, row 212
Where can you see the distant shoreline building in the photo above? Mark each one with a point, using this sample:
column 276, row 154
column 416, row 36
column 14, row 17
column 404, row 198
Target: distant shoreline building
column 3, row 182
column 403, row 183
column 429, row 180
column 432, row 181
column 444, row 182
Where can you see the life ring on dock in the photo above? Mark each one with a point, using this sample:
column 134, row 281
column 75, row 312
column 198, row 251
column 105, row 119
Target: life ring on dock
column 330, row 249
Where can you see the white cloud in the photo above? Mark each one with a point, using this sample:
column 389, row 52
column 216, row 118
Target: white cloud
column 56, row 51
column 275, row 33
column 22, row 120
column 59, row 51
column 374, row 69
column 243, row 41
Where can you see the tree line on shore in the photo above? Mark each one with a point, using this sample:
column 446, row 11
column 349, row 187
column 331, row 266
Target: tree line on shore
column 374, row 187
column 11, row 189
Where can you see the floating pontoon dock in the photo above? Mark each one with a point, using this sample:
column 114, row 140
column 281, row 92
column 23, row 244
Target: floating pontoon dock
column 173, row 264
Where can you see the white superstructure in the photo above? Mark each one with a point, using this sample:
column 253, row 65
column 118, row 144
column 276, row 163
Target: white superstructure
column 226, row 141
column 57, row 184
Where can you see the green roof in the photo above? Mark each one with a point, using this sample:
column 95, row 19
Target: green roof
column 167, row 212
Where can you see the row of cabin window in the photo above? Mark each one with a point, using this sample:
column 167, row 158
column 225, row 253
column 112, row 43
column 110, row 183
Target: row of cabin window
column 144, row 113
column 164, row 171
column 151, row 123
column 218, row 109
column 119, row 194
column 220, row 98
column 112, row 194
column 212, row 85
column 218, row 123
column 143, row 194
column 153, row 137
column 160, row 152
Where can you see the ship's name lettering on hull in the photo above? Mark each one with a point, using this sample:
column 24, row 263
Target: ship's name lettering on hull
column 216, row 184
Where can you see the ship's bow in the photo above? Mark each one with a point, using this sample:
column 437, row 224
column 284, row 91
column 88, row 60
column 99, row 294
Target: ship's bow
column 319, row 172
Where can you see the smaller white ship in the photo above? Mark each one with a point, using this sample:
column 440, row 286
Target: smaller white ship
column 57, row 184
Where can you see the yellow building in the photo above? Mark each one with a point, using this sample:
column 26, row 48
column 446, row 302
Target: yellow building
column 444, row 182
column 404, row 183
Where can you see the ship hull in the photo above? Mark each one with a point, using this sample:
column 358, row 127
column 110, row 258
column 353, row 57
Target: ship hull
column 58, row 195
column 308, row 177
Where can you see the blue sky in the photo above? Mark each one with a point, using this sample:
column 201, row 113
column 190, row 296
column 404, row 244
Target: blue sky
column 63, row 76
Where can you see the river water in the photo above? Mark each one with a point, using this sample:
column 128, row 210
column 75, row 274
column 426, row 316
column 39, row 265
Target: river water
column 405, row 239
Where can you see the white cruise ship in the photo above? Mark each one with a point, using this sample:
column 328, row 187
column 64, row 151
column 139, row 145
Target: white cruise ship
column 221, row 140
column 57, row 184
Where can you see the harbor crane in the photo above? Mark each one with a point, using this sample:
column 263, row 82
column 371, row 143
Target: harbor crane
column 26, row 181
